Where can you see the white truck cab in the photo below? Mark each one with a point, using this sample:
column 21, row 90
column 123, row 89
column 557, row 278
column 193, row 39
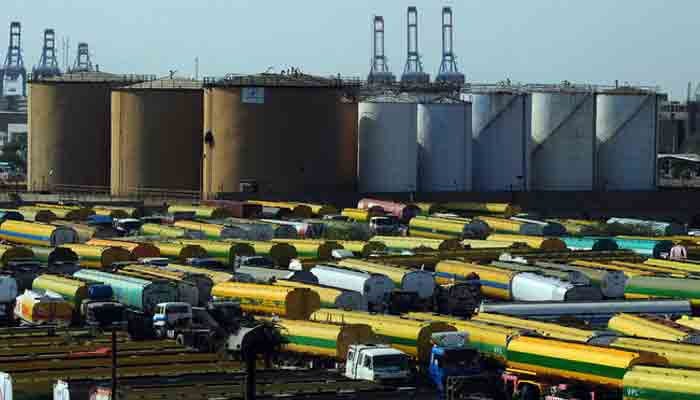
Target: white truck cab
column 171, row 315
column 376, row 363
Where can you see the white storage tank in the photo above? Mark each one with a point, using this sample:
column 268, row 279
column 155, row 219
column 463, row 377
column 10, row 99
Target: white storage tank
column 387, row 147
column 626, row 132
column 262, row 274
column 501, row 132
column 563, row 139
column 445, row 146
column 528, row 286
column 376, row 288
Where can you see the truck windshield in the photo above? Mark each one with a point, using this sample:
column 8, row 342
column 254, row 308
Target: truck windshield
column 390, row 361
column 462, row 358
column 177, row 310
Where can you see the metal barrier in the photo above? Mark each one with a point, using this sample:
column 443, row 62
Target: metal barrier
column 82, row 189
column 155, row 193
column 679, row 183
column 87, row 77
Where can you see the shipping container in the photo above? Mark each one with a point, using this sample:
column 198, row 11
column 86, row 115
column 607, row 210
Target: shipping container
column 212, row 231
column 411, row 337
column 100, row 257
column 138, row 250
column 138, row 294
column 225, row 252
column 293, row 303
column 72, row 290
column 418, row 281
column 376, row 288
column 43, row 309
column 330, row 297
column 32, row 233
column 323, row 340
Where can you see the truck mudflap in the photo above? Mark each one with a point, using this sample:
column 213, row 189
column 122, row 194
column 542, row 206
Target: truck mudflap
column 474, row 387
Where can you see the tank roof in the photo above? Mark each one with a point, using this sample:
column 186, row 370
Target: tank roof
column 627, row 90
column 298, row 80
column 168, row 83
column 92, row 77
column 391, row 98
column 564, row 88
column 445, row 100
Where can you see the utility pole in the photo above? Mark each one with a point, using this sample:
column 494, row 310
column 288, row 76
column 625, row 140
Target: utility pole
column 196, row 68
column 114, row 363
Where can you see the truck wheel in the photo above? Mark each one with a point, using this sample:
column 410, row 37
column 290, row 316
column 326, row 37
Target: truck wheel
column 528, row 392
column 180, row 339
column 160, row 333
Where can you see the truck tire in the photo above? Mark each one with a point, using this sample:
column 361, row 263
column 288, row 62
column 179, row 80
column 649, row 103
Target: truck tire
column 180, row 339
column 160, row 333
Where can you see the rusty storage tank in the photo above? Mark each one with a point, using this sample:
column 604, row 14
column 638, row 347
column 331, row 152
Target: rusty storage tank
column 562, row 152
column 157, row 137
column 278, row 134
column 627, row 124
column 69, row 130
column 501, row 117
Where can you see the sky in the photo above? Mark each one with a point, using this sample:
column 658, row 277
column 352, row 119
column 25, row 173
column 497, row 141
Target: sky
column 641, row 42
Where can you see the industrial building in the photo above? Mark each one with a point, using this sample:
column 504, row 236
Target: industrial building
column 290, row 132
column 563, row 140
column 501, row 118
column 69, row 130
column 444, row 146
column 275, row 133
column 679, row 126
column 387, row 145
column 156, row 137
column 626, row 133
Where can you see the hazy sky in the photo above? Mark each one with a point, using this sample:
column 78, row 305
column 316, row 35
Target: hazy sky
column 646, row 42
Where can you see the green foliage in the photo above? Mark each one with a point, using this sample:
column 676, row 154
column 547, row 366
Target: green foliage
column 338, row 230
column 15, row 152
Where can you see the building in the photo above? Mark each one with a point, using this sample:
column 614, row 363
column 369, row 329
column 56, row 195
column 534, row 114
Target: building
column 678, row 127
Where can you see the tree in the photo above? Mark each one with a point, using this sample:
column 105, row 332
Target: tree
column 11, row 152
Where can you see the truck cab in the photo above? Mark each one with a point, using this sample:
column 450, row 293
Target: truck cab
column 376, row 363
column 171, row 316
column 452, row 356
column 386, row 225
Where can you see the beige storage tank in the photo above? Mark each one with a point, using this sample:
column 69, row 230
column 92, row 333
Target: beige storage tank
column 278, row 134
column 69, row 130
column 157, row 137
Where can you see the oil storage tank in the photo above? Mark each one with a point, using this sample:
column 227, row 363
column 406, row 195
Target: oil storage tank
column 278, row 134
column 562, row 152
column 501, row 132
column 444, row 146
column 387, row 145
column 157, row 137
column 626, row 132
column 69, row 130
